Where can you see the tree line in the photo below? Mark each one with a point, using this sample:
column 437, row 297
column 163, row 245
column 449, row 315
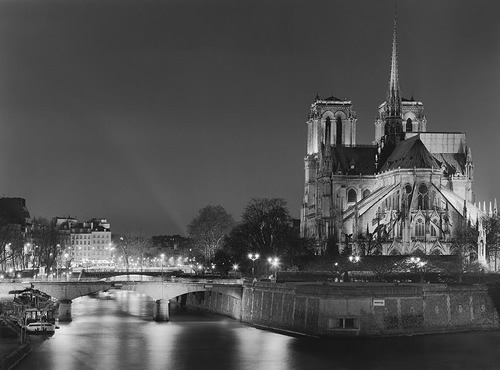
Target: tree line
column 266, row 228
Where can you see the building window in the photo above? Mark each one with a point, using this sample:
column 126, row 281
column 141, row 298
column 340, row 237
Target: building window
column 433, row 231
column 423, row 197
column 351, row 196
column 366, row 193
column 409, row 125
column 419, row 228
column 343, row 323
column 339, row 131
column 328, row 127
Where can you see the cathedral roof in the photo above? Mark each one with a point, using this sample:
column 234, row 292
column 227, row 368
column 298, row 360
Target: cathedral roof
column 410, row 153
column 453, row 162
column 333, row 98
column 354, row 160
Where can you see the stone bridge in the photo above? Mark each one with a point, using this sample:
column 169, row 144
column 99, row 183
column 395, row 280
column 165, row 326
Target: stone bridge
column 136, row 272
column 160, row 291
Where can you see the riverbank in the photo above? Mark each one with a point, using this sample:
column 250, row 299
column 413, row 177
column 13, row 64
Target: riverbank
column 11, row 349
column 358, row 309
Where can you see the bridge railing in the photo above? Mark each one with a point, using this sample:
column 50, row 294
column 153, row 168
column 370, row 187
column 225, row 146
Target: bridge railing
column 136, row 278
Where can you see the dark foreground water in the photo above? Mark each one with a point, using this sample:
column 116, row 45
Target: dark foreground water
column 118, row 333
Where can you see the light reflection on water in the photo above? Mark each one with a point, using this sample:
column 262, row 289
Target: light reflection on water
column 119, row 333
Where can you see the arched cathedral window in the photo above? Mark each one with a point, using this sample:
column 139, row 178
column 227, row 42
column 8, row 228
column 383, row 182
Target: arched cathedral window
column 366, row 193
column 351, row 196
column 328, row 125
column 423, row 197
column 433, row 230
column 339, row 130
column 407, row 196
column 419, row 228
column 409, row 125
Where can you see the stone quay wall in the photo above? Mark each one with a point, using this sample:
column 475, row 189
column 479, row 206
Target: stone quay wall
column 213, row 302
column 351, row 309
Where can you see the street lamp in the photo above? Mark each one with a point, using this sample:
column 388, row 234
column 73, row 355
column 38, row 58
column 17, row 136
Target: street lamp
column 274, row 263
column 162, row 257
column 253, row 257
column 418, row 265
column 354, row 259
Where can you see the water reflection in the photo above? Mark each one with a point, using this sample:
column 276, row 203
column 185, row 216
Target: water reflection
column 118, row 333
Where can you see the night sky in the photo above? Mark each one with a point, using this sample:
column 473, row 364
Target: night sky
column 143, row 111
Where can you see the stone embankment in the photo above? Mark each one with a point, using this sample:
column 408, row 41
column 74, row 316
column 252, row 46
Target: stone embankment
column 11, row 349
column 358, row 309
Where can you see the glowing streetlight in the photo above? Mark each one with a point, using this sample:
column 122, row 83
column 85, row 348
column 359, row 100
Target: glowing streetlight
column 253, row 257
column 418, row 266
column 162, row 257
column 274, row 263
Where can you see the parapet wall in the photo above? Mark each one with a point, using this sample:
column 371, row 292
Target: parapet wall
column 350, row 309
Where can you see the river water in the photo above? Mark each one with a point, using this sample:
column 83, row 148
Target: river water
column 116, row 332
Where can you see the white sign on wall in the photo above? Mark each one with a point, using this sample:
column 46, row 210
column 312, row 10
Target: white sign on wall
column 379, row 302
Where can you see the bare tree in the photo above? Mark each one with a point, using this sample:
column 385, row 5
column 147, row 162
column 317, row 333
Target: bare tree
column 46, row 243
column 464, row 251
column 133, row 245
column 267, row 224
column 209, row 228
column 11, row 244
column 491, row 226
column 368, row 245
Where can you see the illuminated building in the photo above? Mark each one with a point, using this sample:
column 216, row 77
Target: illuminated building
column 411, row 189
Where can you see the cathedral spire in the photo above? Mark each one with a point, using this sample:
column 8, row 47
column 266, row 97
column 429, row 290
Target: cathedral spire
column 393, row 93
column 393, row 122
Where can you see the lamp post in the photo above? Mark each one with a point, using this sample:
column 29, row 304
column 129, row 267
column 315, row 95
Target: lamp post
column 274, row 263
column 353, row 260
column 418, row 264
column 253, row 257
column 66, row 264
column 162, row 257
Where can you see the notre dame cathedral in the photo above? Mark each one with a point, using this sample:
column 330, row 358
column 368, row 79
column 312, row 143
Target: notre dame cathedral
column 412, row 188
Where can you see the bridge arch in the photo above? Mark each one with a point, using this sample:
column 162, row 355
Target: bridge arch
column 160, row 292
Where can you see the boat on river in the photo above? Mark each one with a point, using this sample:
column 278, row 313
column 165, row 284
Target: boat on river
column 40, row 328
column 30, row 306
